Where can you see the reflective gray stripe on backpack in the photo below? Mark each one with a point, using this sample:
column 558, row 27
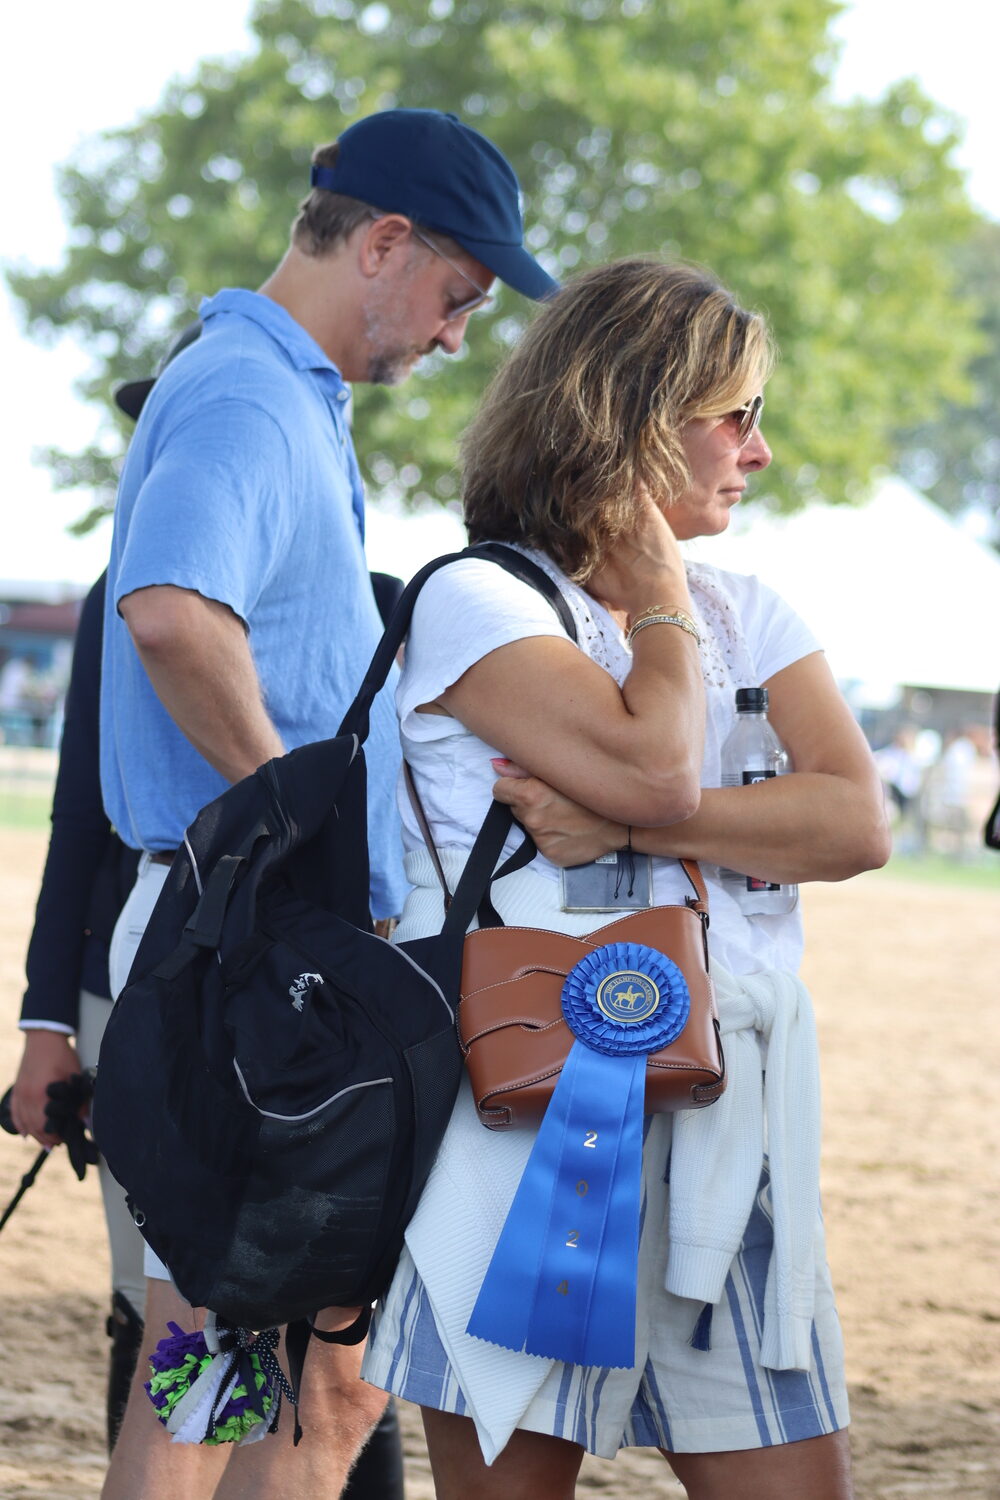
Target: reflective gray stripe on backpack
column 199, row 884
column 424, row 975
column 292, row 1119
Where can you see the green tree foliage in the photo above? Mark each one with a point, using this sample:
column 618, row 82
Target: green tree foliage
column 955, row 458
column 696, row 128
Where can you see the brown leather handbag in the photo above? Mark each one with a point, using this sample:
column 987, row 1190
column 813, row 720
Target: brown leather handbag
column 510, row 1021
column 511, row 1025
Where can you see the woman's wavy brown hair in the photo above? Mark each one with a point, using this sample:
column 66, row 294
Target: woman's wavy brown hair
column 591, row 405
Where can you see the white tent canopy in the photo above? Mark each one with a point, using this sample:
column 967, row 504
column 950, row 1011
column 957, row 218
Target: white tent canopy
column 894, row 590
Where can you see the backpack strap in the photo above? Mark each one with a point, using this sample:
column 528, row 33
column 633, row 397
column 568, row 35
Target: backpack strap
column 356, row 719
column 297, row 1336
column 493, row 836
column 203, row 929
column 529, row 572
column 472, row 892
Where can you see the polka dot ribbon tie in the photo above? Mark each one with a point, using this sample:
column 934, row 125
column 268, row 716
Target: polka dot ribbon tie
column 562, row 1280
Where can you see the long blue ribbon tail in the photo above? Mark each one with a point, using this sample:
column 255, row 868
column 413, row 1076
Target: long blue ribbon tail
column 562, row 1280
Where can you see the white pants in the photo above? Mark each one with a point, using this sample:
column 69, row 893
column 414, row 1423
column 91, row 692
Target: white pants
column 132, row 921
column 124, row 1240
column 124, row 943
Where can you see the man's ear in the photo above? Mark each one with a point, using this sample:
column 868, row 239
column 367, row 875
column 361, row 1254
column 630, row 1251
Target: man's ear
column 384, row 239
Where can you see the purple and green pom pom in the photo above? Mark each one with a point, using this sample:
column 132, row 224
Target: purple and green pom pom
column 181, row 1360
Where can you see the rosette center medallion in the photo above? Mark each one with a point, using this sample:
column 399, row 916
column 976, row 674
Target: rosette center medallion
column 627, row 996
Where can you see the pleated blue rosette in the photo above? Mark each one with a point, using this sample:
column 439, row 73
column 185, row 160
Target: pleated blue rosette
column 562, row 1280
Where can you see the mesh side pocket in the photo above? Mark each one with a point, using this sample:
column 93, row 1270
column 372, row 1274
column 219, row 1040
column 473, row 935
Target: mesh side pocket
column 307, row 1230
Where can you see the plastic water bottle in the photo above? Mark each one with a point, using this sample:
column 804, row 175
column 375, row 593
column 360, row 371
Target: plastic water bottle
column 754, row 753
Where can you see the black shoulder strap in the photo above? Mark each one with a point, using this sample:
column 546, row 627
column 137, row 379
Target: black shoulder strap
column 473, row 892
column 356, row 719
column 474, row 887
column 529, row 572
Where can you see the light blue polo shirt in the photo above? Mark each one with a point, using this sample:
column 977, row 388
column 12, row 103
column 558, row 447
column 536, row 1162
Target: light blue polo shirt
column 241, row 483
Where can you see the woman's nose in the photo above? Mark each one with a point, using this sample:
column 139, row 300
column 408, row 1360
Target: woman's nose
column 755, row 454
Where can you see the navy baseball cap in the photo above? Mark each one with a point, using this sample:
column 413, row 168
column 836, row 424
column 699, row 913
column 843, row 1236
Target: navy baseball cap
column 445, row 176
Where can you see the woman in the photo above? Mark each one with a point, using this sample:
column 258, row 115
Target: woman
column 624, row 422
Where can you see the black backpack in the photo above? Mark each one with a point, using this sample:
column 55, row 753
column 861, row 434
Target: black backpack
column 275, row 1079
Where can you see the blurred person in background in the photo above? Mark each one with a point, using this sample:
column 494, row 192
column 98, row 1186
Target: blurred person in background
column 902, row 774
column 991, row 829
column 948, row 793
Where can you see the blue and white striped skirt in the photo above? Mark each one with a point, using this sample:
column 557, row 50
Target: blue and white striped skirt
column 684, row 1399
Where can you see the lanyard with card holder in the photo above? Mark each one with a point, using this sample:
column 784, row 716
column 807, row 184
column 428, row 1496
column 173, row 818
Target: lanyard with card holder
column 619, row 881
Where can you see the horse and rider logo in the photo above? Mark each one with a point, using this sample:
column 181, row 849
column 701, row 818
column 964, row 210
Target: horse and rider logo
column 299, row 988
column 627, row 996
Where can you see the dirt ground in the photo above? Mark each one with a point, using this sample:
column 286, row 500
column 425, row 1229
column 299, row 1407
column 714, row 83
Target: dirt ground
column 904, row 979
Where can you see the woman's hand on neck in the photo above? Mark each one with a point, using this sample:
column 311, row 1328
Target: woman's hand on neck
column 643, row 568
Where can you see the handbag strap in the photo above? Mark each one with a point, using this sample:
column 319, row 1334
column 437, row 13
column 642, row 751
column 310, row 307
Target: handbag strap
column 425, row 829
column 692, row 869
column 491, row 839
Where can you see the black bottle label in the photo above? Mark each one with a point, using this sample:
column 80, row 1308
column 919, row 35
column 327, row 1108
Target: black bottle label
column 750, row 777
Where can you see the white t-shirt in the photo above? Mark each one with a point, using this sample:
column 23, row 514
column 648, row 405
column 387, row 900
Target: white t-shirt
column 473, row 607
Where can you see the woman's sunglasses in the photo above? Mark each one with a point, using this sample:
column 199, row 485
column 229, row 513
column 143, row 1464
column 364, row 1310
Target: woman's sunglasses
column 749, row 418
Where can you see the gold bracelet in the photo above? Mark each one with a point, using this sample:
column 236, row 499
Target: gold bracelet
column 662, row 620
column 664, row 609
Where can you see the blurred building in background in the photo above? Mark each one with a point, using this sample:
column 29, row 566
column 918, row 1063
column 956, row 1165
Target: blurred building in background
column 36, row 645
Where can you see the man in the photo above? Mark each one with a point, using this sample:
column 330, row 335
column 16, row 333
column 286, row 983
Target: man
column 239, row 613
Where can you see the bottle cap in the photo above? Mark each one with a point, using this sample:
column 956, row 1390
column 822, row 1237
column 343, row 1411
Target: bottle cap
column 751, row 700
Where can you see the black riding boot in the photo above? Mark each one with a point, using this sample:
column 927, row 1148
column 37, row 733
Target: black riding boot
column 378, row 1473
column 125, row 1332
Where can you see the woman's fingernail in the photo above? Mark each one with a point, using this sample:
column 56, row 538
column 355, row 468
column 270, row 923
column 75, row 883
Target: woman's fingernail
column 499, row 760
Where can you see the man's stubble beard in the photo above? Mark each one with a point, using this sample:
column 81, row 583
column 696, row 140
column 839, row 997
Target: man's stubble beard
column 391, row 366
column 389, row 362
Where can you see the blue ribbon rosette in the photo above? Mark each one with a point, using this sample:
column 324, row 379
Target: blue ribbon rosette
column 562, row 1280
